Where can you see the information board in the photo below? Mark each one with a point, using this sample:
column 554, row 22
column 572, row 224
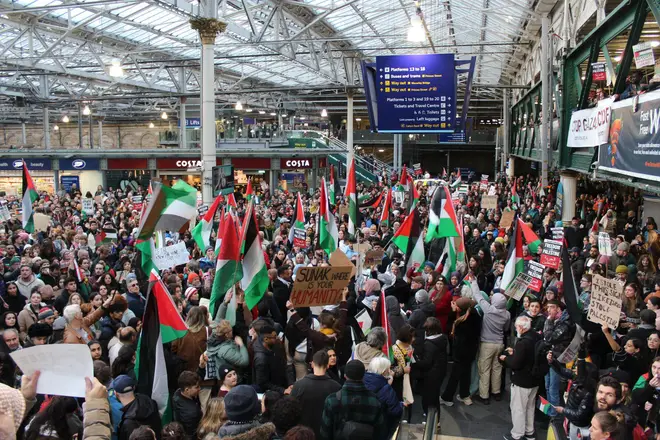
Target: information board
column 416, row 93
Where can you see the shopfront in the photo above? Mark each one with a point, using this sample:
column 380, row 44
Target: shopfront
column 255, row 168
column 188, row 169
column 127, row 173
column 297, row 173
column 84, row 174
column 11, row 175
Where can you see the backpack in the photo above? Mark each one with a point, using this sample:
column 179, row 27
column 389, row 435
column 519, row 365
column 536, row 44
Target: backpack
column 350, row 430
column 540, row 368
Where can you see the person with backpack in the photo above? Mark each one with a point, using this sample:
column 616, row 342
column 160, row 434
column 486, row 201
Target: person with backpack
column 526, row 376
column 558, row 333
column 354, row 412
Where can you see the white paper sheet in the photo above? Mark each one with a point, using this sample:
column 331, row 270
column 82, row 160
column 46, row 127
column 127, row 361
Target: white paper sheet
column 63, row 367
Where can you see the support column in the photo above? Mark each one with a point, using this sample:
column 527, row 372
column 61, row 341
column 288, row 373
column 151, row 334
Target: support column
column 91, row 133
column 511, row 169
column 56, row 180
column 315, row 169
column 101, row 133
column 546, row 99
column 43, row 89
column 80, row 137
column 280, row 123
column 349, row 126
column 506, row 144
column 568, row 181
column 448, row 162
column 208, row 27
column 23, row 133
column 182, row 109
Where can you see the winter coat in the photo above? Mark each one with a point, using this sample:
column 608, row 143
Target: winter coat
column 311, row 391
column 109, row 329
column 538, row 322
column 25, row 288
column 521, row 361
column 227, row 353
column 136, row 303
column 466, row 338
column 377, row 383
column 419, row 316
column 559, row 333
column 315, row 339
column 12, row 303
column 496, row 318
column 141, row 411
column 96, row 420
column 365, row 353
column 269, row 368
column 72, row 337
column 394, row 316
column 400, row 289
column 186, row 411
column 442, row 308
column 190, row 348
column 581, row 393
column 247, row 431
column 432, row 362
column 26, row 318
column 356, row 404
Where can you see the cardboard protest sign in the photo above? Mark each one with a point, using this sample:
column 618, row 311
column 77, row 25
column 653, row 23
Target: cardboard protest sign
column 339, row 259
column 361, row 248
column 519, row 286
column 319, row 286
column 551, row 256
column 605, row 305
column 604, row 244
column 535, row 270
column 507, row 219
column 88, row 206
column 557, row 233
column 170, row 256
column 41, row 222
column 489, row 202
column 343, row 210
column 373, row 257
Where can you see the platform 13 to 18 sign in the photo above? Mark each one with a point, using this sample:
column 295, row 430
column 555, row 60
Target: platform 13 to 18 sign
column 416, row 93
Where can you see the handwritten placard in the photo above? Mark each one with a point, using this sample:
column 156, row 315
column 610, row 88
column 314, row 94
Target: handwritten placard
column 170, row 256
column 605, row 305
column 489, row 202
column 88, row 206
column 535, row 270
column 41, row 222
column 319, row 286
column 507, row 219
column 604, row 244
column 551, row 256
column 5, row 215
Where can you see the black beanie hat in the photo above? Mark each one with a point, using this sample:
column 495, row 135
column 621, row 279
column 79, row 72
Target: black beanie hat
column 354, row 370
column 40, row 329
column 242, row 404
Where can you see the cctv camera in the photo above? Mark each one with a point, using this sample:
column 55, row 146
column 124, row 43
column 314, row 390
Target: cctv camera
column 593, row 166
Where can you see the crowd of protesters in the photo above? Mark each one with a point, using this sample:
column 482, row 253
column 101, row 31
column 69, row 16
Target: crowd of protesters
column 282, row 372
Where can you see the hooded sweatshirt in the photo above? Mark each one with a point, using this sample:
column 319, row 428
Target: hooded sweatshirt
column 365, row 353
column 394, row 317
column 496, row 318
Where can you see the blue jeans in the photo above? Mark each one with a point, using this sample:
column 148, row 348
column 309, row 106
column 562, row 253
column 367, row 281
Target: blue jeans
column 552, row 384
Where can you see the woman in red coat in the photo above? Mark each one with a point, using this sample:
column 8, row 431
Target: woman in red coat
column 441, row 297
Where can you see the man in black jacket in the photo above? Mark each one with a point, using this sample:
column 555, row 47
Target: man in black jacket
column 520, row 360
column 138, row 409
column 185, row 403
column 282, row 287
column 269, row 368
column 312, row 390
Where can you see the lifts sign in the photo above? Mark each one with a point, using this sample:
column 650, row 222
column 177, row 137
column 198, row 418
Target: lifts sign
column 590, row 127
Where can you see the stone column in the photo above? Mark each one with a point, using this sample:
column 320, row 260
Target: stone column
column 349, row 127
column 182, row 109
column 568, row 181
column 511, row 169
column 208, row 29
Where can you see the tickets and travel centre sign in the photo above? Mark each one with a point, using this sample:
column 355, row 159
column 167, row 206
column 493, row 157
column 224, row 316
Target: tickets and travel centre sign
column 416, row 93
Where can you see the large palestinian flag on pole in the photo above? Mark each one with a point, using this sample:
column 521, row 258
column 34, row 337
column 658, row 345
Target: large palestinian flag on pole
column 385, row 213
column 442, row 217
column 201, row 233
column 447, row 262
column 30, row 196
column 333, row 187
column 297, row 234
column 161, row 324
column 255, row 273
column 532, row 240
column 407, row 235
column 515, row 262
column 328, row 234
column 228, row 270
column 351, row 198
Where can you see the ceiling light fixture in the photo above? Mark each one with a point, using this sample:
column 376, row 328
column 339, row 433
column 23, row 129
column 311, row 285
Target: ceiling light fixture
column 151, row 125
column 163, row 115
column 248, row 110
column 238, row 105
column 116, row 71
column 56, row 127
column 416, row 33
column 380, row 150
column 65, row 119
column 87, row 111
column 273, row 114
column 324, row 113
column 358, row 119
column 262, row 112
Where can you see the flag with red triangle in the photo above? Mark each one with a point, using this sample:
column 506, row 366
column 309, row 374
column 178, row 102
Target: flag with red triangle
column 515, row 198
column 405, row 238
column 201, row 233
column 228, row 270
column 387, row 207
column 297, row 234
column 515, row 262
column 231, row 201
column 351, row 198
column 328, row 233
column 414, row 196
column 442, row 217
column 249, row 192
column 532, row 240
column 404, row 181
column 30, row 196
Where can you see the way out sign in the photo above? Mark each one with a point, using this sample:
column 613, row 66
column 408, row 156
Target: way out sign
column 319, row 286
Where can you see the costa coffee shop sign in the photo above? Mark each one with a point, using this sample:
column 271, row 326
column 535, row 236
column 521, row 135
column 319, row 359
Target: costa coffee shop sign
column 296, row 164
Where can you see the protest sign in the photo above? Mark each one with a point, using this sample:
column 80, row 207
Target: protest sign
column 643, row 53
column 492, row 191
column 373, row 257
column 88, row 206
column 418, row 169
column 319, row 286
column 489, row 202
column 572, row 350
column 202, row 209
column 557, row 233
column 137, row 203
column 604, row 244
column 484, row 182
column 5, row 215
column 41, row 222
column 519, row 286
column 364, row 320
column 170, row 256
column 299, row 237
column 551, row 256
column 605, row 305
column 339, row 259
column 63, row 367
column 598, row 72
column 343, row 211
column 535, row 271
column 361, row 248
column 507, row 219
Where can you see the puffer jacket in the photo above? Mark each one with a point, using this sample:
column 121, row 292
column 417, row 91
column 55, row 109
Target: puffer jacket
column 96, row 420
column 377, row 383
column 559, row 333
column 496, row 318
column 579, row 405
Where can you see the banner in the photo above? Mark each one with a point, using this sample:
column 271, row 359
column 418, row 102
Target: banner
column 604, row 244
column 170, row 256
column 489, row 202
column 605, row 305
column 590, row 127
column 222, row 178
column 551, row 256
column 319, row 286
column 535, row 271
column 572, row 350
column 88, row 206
column 634, row 148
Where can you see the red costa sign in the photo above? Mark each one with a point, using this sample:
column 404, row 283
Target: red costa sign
column 296, row 164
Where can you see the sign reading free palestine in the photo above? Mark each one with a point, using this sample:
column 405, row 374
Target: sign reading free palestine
column 416, row 93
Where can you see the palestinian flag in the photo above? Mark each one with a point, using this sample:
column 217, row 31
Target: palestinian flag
column 150, row 192
column 80, row 275
column 298, row 227
column 515, row 198
column 385, row 323
column 460, row 251
column 571, row 292
column 30, row 196
column 106, row 235
column 370, row 202
column 407, row 235
column 515, row 262
column 201, row 233
column 249, row 192
column 417, row 255
column 532, row 240
column 351, row 198
column 218, row 237
column 231, row 201
column 414, row 196
column 442, row 217
column 447, row 262
column 444, row 173
column 169, row 209
column 161, row 324
column 328, row 234
column 544, row 406
column 147, row 249
column 404, row 181
column 228, row 270
column 333, row 189
column 385, row 214
column 255, row 273
column 457, row 181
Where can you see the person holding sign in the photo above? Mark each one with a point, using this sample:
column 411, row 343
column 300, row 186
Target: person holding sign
column 629, row 357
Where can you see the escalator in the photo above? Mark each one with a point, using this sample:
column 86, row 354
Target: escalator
column 428, row 430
